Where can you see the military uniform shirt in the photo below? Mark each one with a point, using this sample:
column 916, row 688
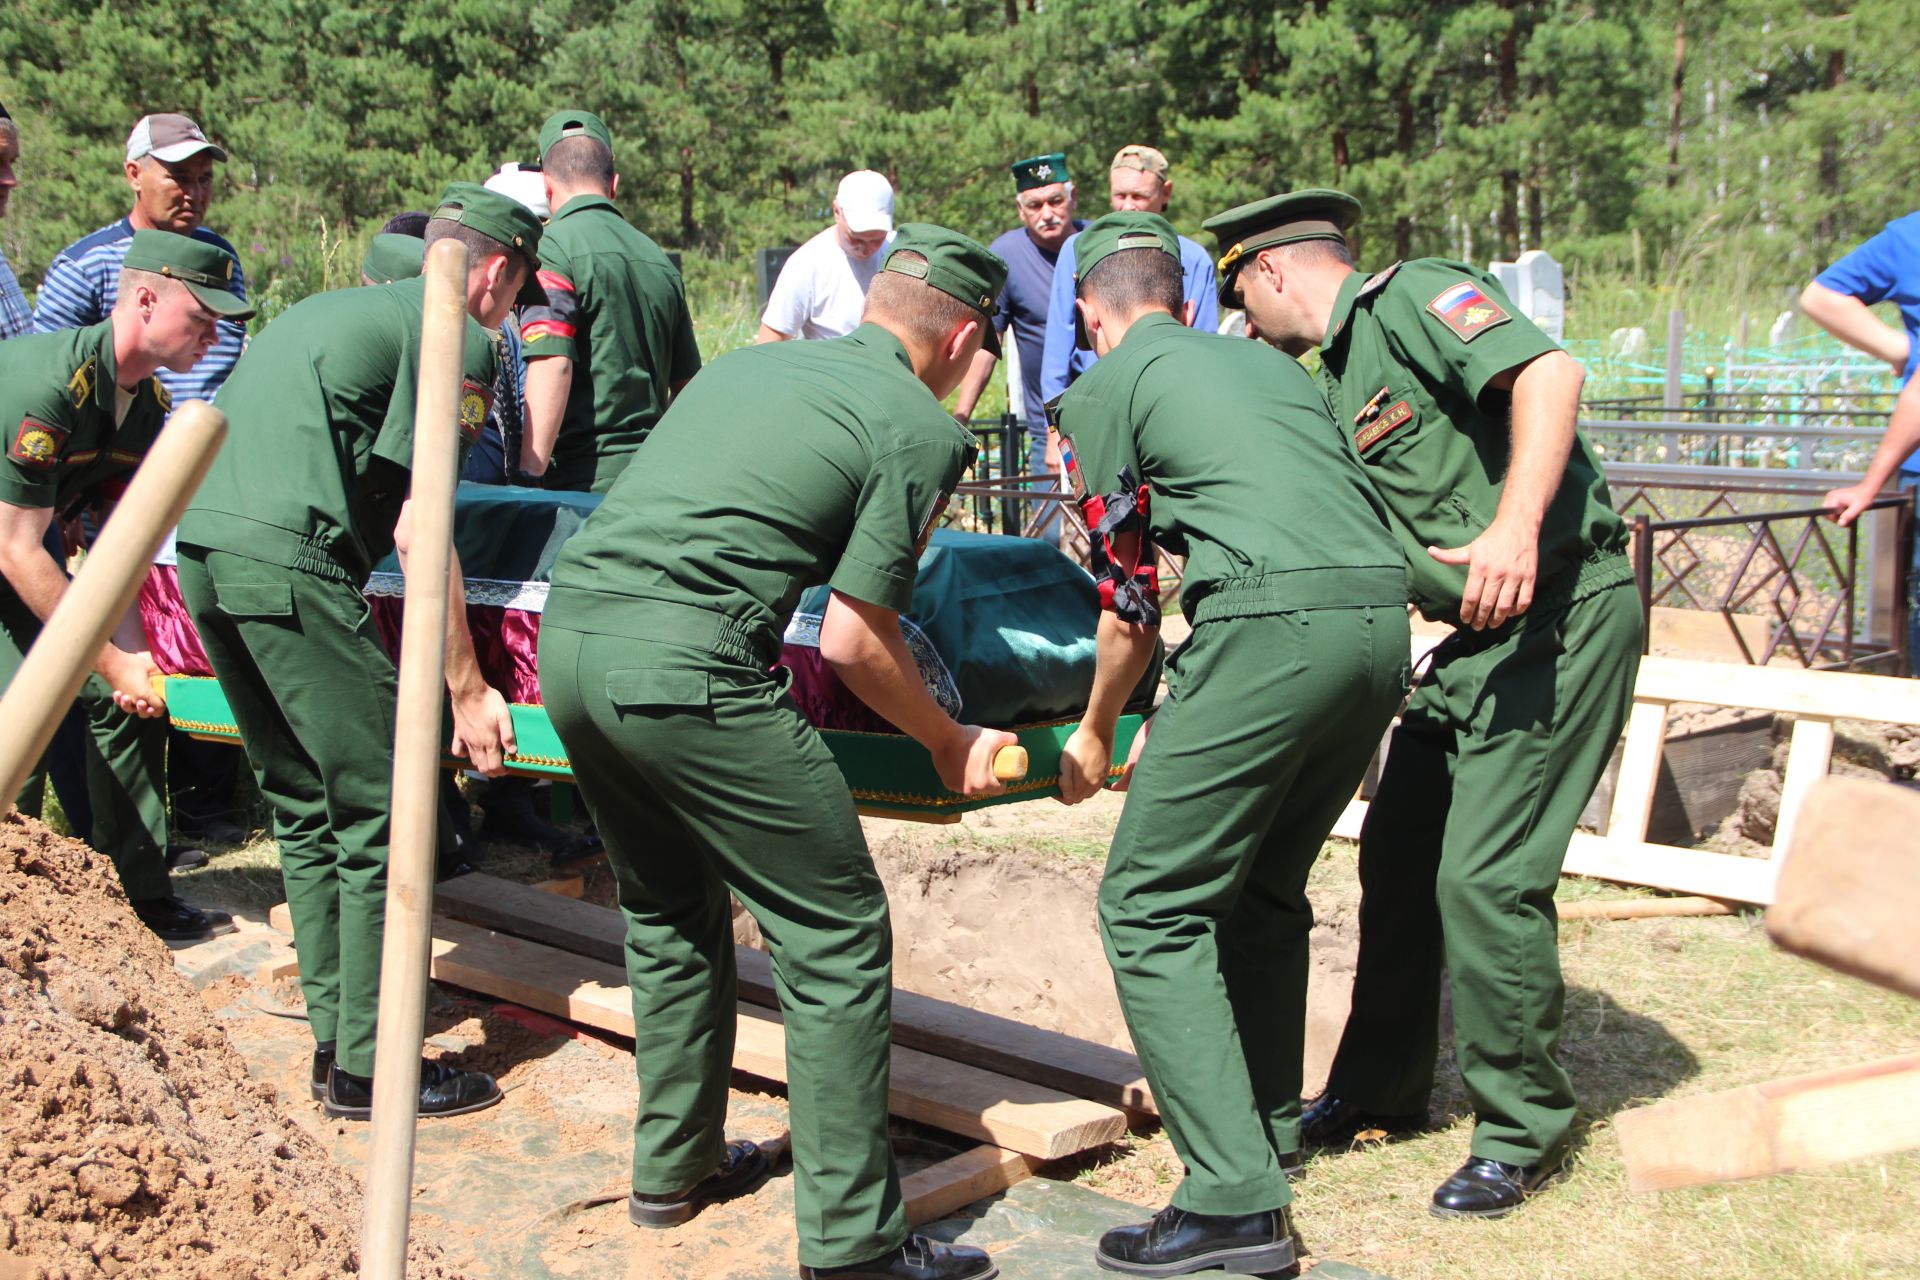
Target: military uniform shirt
column 618, row 308
column 319, row 457
column 56, row 406
column 1406, row 363
column 1249, row 478
column 781, row 466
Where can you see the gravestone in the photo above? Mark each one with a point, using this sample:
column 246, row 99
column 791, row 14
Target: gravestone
column 766, row 269
column 1538, row 288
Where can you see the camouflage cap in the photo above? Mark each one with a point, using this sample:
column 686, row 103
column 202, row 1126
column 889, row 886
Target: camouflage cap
column 1315, row 213
column 205, row 268
column 955, row 265
column 392, row 257
column 1040, row 171
column 573, row 124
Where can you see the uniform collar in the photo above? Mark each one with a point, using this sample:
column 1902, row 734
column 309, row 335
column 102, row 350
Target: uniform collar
column 105, row 368
column 1343, row 308
column 578, row 203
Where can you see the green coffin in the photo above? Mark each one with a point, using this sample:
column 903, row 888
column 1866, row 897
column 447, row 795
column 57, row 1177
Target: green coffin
column 889, row 775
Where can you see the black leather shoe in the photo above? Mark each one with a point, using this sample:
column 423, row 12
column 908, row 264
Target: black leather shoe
column 444, row 1091
column 1292, row 1163
column 185, row 857
column 1176, row 1243
column 920, row 1258
column 1483, row 1188
column 175, row 921
column 744, row 1167
column 1331, row 1121
column 322, row 1064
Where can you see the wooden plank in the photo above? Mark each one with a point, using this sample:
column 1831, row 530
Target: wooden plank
column 1660, row 866
column 1831, row 694
column 1641, row 908
column 1809, row 753
column 1849, row 892
column 1639, row 772
column 940, row 1027
column 1806, row 1122
column 939, row 1189
column 947, row 1095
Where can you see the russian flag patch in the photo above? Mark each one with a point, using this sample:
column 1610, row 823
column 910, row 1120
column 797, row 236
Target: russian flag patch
column 1467, row 311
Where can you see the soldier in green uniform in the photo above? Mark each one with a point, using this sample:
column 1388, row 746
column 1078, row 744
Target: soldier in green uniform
column 1221, row 451
column 82, row 407
column 1463, row 414
column 783, row 466
column 309, row 492
column 613, row 341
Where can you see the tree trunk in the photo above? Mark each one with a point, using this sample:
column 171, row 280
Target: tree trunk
column 1679, row 91
column 1403, row 143
column 1339, row 156
column 1509, row 215
column 1830, row 155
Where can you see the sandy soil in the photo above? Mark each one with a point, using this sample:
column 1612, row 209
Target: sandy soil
column 132, row 1140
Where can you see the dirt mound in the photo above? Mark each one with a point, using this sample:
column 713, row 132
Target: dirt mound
column 132, row 1140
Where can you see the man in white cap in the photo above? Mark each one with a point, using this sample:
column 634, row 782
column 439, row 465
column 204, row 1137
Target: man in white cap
column 823, row 286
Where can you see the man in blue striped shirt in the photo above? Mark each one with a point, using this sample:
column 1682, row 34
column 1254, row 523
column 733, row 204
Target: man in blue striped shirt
column 169, row 166
column 15, row 318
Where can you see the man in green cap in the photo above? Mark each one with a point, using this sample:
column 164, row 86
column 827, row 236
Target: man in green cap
column 785, row 465
column 1463, row 415
column 82, row 407
column 613, row 342
column 1295, row 589
column 309, row 492
column 391, row 257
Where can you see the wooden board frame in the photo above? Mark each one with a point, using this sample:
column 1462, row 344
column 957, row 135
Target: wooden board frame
column 1816, row 699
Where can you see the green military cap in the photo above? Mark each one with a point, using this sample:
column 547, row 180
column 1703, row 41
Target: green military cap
column 393, row 257
column 1113, row 232
column 206, row 269
column 493, row 215
column 1040, row 171
column 573, row 124
column 1313, row 214
column 956, row 266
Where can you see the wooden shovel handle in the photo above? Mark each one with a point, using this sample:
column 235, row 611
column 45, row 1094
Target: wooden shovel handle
column 1010, row 764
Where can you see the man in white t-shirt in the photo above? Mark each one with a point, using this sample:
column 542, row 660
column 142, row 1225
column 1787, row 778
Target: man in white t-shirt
column 823, row 286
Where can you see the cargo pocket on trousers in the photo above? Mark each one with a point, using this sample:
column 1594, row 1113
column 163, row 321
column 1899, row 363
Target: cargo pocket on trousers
column 658, row 690
column 254, row 599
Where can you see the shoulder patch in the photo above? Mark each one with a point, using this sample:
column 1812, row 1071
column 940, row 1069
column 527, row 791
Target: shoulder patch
column 1378, row 280
column 37, row 444
column 164, row 396
column 935, row 510
column 475, row 400
column 1463, row 308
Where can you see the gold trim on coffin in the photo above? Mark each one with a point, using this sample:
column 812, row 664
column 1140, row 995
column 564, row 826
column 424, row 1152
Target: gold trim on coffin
column 948, row 801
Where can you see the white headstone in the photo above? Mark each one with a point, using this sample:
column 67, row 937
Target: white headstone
column 1782, row 331
column 1538, row 288
column 1628, row 344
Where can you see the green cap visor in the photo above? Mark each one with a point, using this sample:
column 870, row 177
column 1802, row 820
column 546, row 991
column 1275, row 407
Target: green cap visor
column 1317, row 213
column 956, row 266
column 206, row 269
column 1116, row 233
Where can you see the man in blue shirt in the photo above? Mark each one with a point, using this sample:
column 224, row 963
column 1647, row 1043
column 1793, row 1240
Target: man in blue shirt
column 1137, row 181
column 169, row 166
column 1884, row 269
column 15, row 316
column 1045, row 199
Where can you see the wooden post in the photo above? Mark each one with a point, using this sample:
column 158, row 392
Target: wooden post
column 60, row 660
column 407, row 940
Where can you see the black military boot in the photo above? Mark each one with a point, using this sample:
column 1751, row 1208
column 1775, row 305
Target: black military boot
column 175, row 921
column 1176, row 1242
column 919, row 1258
column 1332, row 1121
column 322, row 1064
column 744, row 1167
column 1483, row 1188
column 444, row 1091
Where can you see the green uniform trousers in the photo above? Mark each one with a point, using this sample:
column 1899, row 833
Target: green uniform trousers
column 313, row 692
column 126, row 761
column 1263, row 740
column 1495, row 757
column 704, row 778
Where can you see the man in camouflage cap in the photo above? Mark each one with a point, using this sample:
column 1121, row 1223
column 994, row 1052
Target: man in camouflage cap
column 81, row 408
column 1463, row 416
column 783, row 465
column 308, row 494
column 1294, row 588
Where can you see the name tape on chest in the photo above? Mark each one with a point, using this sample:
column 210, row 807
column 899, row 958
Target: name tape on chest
column 1467, row 311
column 37, row 444
column 475, row 400
column 1396, row 416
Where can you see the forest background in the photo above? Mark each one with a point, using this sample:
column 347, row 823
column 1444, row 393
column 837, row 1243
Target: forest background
column 1667, row 152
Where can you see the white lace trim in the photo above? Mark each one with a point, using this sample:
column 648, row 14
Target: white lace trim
column 497, row 593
